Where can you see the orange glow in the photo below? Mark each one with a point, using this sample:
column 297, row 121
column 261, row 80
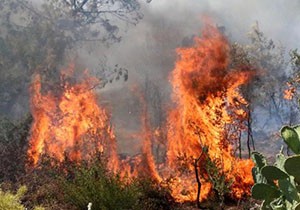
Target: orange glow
column 206, row 92
column 69, row 123
column 289, row 92
column 209, row 112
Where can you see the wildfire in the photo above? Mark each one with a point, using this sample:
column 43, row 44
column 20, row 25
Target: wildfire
column 209, row 113
column 69, row 122
column 208, row 107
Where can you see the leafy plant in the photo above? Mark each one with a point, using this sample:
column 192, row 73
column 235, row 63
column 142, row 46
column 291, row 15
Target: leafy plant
column 93, row 183
column 13, row 201
column 278, row 185
column 216, row 176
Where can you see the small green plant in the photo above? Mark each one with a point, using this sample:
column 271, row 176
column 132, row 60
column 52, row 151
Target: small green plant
column 13, row 201
column 216, row 176
column 278, row 185
column 93, row 183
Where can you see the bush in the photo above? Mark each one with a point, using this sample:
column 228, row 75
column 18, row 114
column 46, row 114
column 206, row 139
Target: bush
column 93, row 183
column 13, row 201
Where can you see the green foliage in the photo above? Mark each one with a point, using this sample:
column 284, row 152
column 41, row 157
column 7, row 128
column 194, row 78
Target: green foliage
column 102, row 190
column 12, row 201
column 93, row 183
column 273, row 173
column 216, row 176
column 263, row 191
column 259, row 160
column 291, row 137
column 290, row 166
column 279, row 185
column 44, row 186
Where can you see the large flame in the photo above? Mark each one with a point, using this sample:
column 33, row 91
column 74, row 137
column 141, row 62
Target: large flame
column 69, row 123
column 209, row 113
column 209, row 109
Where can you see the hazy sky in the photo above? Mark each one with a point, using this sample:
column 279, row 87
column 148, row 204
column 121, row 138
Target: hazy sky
column 279, row 19
column 149, row 47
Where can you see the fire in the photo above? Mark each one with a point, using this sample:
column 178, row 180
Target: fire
column 144, row 164
column 69, row 122
column 289, row 92
column 210, row 113
column 209, row 106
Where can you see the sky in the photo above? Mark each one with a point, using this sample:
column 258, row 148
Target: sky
column 279, row 19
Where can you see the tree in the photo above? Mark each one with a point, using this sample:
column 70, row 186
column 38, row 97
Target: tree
column 267, row 108
column 40, row 39
column 101, row 13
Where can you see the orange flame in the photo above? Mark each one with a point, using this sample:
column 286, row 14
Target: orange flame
column 69, row 123
column 205, row 90
column 209, row 113
column 289, row 92
column 144, row 164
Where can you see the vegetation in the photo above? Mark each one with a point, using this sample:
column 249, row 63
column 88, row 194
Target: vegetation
column 70, row 185
column 92, row 182
column 40, row 40
column 13, row 201
column 278, row 185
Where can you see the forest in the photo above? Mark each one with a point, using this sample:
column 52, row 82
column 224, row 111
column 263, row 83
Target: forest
column 149, row 105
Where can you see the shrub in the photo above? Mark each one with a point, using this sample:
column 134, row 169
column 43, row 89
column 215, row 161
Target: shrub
column 93, row 183
column 13, row 201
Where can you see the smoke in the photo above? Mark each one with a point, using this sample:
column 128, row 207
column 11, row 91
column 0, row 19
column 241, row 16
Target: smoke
column 150, row 46
column 148, row 49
